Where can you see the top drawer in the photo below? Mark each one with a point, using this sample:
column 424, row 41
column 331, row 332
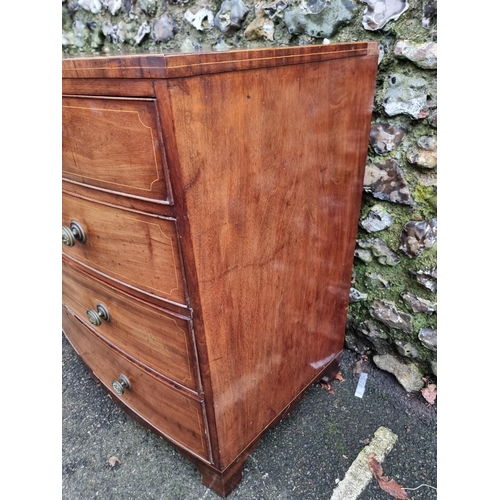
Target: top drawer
column 114, row 144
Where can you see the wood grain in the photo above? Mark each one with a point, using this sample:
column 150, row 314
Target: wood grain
column 175, row 65
column 273, row 190
column 174, row 414
column 132, row 248
column 108, row 87
column 114, row 144
column 184, row 65
column 124, row 66
column 156, row 338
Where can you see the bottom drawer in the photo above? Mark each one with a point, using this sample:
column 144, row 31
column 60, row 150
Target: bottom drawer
column 178, row 417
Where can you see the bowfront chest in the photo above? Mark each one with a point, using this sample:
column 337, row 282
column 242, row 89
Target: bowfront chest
column 210, row 210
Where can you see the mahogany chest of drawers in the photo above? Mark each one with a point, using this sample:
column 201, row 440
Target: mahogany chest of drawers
column 210, row 210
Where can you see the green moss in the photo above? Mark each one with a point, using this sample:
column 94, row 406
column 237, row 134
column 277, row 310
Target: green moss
column 411, row 29
column 67, row 20
column 426, row 196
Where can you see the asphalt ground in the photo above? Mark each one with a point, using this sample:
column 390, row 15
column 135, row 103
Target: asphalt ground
column 106, row 454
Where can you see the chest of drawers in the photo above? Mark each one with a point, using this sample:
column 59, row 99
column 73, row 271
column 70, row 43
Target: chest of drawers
column 210, row 210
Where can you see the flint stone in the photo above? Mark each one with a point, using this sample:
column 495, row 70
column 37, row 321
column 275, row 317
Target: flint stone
column 429, row 13
column 379, row 250
column 68, row 38
column 144, row 29
column 274, row 9
column 381, row 54
column 424, row 154
column 148, row 6
column 124, row 32
column 426, row 277
column 110, row 31
column 319, row 19
column 417, row 304
column 189, row 46
column 356, row 296
column 79, row 33
column 428, row 337
column 386, row 181
column 203, row 20
column 375, row 281
column 376, row 220
column 73, row 7
column 231, row 15
column 375, row 336
column 418, row 236
column 406, row 349
column 364, row 255
column 434, row 368
column 352, row 340
column 384, row 137
column 127, row 4
column 260, row 28
column 96, row 38
column 112, row 5
column 423, row 55
column 407, row 96
column 315, row 6
column 379, row 12
column 221, row 45
column 93, row 6
column 407, row 374
column 432, row 119
column 387, row 313
column 164, row 28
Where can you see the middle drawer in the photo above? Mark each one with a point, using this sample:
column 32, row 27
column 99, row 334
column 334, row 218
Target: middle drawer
column 152, row 336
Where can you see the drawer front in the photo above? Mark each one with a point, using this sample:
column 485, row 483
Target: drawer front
column 115, row 144
column 148, row 334
column 176, row 415
column 135, row 249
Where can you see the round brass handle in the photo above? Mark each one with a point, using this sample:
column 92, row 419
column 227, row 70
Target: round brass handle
column 121, row 384
column 73, row 233
column 96, row 316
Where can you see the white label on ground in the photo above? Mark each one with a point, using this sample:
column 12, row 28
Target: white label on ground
column 359, row 475
column 360, row 389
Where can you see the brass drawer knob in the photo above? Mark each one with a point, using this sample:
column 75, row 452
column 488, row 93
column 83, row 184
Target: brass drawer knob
column 73, row 233
column 101, row 313
column 121, row 384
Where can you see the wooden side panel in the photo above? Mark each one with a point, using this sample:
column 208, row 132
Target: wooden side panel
column 272, row 165
column 176, row 416
column 114, row 144
column 135, row 249
column 154, row 337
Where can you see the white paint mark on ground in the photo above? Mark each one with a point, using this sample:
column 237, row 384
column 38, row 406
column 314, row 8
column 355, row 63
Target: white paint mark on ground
column 359, row 475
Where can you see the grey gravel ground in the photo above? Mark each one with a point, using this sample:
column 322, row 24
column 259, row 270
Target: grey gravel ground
column 302, row 458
